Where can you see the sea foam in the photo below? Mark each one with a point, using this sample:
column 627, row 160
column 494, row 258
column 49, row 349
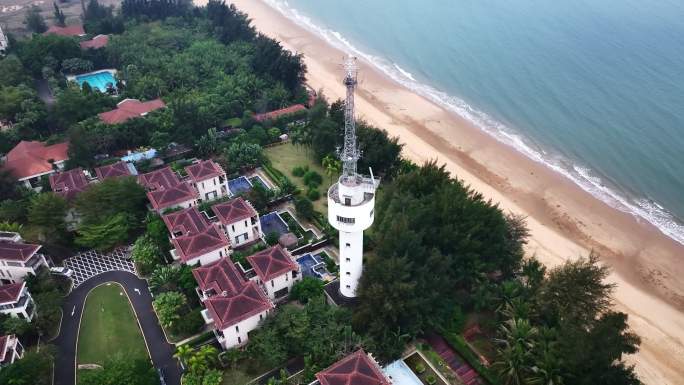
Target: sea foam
column 641, row 208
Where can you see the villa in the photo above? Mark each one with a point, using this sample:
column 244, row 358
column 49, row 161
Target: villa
column 28, row 161
column 3, row 42
column 97, row 42
column 357, row 368
column 129, row 109
column 234, row 305
column 239, row 220
column 69, row 30
column 166, row 191
column 10, row 350
column 276, row 271
column 70, row 183
column 208, row 178
column 204, row 247
column 17, row 260
column 185, row 222
column 115, row 170
column 16, row 301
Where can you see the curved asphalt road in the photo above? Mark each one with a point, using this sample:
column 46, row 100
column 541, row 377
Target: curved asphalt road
column 160, row 350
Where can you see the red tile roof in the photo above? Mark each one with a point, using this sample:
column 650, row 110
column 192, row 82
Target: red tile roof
column 113, row 170
column 98, row 41
column 220, row 276
column 272, row 262
column 10, row 251
column 168, row 197
column 10, row 293
column 69, row 30
column 355, row 369
column 27, row 159
column 70, row 183
column 159, row 179
column 188, row 221
column 234, row 210
column 278, row 113
column 230, row 309
column 130, row 108
column 195, row 245
column 204, row 170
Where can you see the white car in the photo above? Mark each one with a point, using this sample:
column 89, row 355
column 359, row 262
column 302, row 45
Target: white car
column 65, row 271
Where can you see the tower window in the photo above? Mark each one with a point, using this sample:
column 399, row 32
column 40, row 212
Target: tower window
column 350, row 221
column 348, row 287
column 348, row 244
column 348, row 273
column 348, row 259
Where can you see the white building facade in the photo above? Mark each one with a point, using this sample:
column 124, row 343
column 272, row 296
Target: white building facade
column 17, row 260
column 11, row 350
column 16, row 301
column 208, row 178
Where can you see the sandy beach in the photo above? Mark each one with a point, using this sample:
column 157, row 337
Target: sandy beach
column 565, row 221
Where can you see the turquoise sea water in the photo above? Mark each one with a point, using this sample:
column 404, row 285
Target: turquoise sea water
column 592, row 88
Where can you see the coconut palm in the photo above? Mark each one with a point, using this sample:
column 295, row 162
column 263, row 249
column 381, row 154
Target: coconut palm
column 332, row 166
column 164, row 277
column 183, row 353
column 514, row 362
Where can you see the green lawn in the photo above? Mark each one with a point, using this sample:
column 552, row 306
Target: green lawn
column 108, row 327
column 287, row 156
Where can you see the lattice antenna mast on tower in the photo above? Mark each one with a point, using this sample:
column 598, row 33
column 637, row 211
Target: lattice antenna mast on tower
column 350, row 153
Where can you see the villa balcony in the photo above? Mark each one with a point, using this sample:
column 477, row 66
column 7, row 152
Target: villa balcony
column 207, row 317
column 36, row 262
column 174, row 254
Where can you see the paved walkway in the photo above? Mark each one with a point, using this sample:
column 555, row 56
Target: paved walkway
column 136, row 288
column 91, row 263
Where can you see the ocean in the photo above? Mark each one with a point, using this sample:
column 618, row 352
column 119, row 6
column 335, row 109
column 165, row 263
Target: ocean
column 594, row 89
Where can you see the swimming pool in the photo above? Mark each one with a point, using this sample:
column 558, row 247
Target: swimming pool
column 400, row 374
column 239, row 185
column 97, row 80
column 314, row 266
column 273, row 223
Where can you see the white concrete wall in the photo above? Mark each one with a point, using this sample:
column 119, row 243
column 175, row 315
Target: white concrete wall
column 22, row 312
column 233, row 337
column 209, row 189
column 236, row 231
column 210, row 257
column 183, row 205
column 351, row 262
column 9, row 273
column 279, row 283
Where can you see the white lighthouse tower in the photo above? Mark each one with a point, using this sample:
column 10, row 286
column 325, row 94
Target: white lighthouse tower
column 352, row 198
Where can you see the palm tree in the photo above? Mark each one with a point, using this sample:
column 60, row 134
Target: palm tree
column 183, row 353
column 514, row 362
column 164, row 276
column 332, row 166
column 208, row 354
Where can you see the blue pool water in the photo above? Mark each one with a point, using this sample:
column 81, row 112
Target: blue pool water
column 98, row 80
column 313, row 266
column 239, row 185
column 591, row 88
column 273, row 223
column 400, row 374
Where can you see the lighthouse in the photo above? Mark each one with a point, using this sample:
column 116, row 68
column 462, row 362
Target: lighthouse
column 351, row 200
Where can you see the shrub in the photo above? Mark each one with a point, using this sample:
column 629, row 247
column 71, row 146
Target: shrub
column 298, row 171
column 420, row 368
column 304, row 208
column 272, row 238
column 306, row 289
column 313, row 194
column 189, row 323
column 430, row 379
column 312, row 178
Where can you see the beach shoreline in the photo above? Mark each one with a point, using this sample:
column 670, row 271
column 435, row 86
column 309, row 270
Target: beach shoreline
column 565, row 221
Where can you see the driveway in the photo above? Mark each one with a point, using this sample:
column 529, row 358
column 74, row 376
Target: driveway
column 91, row 263
column 160, row 350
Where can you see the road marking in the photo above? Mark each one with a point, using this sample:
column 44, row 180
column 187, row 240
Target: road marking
column 73, row 311
column 137, row 290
